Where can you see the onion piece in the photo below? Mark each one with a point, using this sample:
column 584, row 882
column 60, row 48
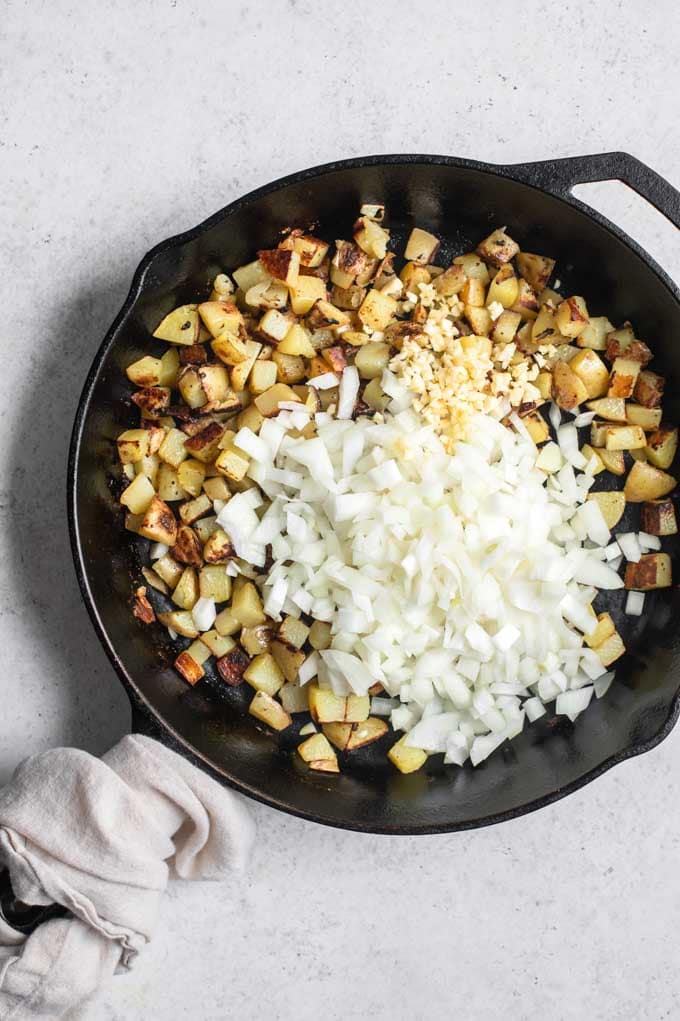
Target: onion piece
column 203, row 613
column 629, row 546
column 635, row 602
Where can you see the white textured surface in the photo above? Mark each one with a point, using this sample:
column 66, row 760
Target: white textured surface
column 126, row 122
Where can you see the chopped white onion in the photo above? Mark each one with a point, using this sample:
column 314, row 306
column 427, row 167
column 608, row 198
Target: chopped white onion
column 158, row 550
column 326, row 381
column 204, row 613
column 629, row 546
column 635, row 602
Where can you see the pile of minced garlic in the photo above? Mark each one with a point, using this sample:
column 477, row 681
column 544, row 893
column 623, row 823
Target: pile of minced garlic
column 455, row 377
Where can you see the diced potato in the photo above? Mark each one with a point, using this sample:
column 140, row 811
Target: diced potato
column 572, row 316
column 202, row 385
column 312, row 250
column 158, row 523
column 371, row 237
column 649, row 389
column 155, row 580
column 543, row 384
column 281, row 264
column 189, row 668
column 268, row 402
column 612, row 460
column 623, row 342
column 187, row 548
column 214, row 583
column 324, row 705
column 658, row 518
column 473, row 293
column 180, row 326
column 504, row 288
column 180, row 621
column 138, row 495
column 204, row 528
column 218, row 548
column 226, row 623
column 289, row 368
column 652, row 571
column 594, row 334
column 305, row 293
column 219, row 645
column 450, row 282
column 289, row 660
column 406, row 759
column 246, row 605
column 544, row 328
column 357, row 708
column 220, row 317
column 274, row 326
column 238, row 377
column 325, row 316
column 185, row 594
column 638, row 453
column 611, row 649
column 297, row 342
column 230, row 349
column 318, row 754
column 613, row 409
column 133, row 445
column 645, row 483
column 479, row 319
column 217, row 488
column 421, row 246
column 624, row 437
column 623, row 378
column 264, row 674
column 267, row 294
column 348, row 736
column 256, row 639
column 145, row 371
column 372, row 359
column 536, row 269
column 537, row 427
column 377, row 310
column 167, row 568
column 612, row 503
column 648, row 418
column 191, row 474
column 475, row 268
column 597, row 464
column 173, row 449
column 293, row 632
column 232, row 665
column 320, row 635
column 262, row 376
column 232, row 462
column 168, row 485
column 568, row 389
column 269, row 711
column 527, row 303
column 249, row 275
column 505, row 327
column 594, row 374
column 251, row 418
column 498, row 248
column 204, row 445
column 294, row 698
column 133, row 522
column 603, row 630
column 661, row 447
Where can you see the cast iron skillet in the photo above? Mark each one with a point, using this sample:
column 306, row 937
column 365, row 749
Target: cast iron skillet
column 461, row 200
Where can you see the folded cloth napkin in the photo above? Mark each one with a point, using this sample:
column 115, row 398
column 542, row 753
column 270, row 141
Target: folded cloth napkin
column 100, row 837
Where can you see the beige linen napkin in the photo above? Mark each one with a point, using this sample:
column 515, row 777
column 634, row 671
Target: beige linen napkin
column 100, row 836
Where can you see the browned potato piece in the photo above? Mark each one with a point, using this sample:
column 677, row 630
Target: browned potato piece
column 180, row 621
column 594, row 374
column 623, row 378
column 262, row 376
column 257, row 639
column 473, row 293
column 572, row 316
column 377, row 310
column 246, row 604
column 658, row 517
column 652, row 571
column 158, row 523
column 293, row 632
column 451, row 281
column 645, row 483
column 232, row 463
column 611, row 649
column 505, row 327
column 269, row 711
column 214, row 583
column 189, row 668
column 371, row 360
column 289, row 368
column 544, row 328
column 305, row 293
column 168, row 569
column 320, row 635
column 133, row 445
column 202, row 385
column 613, row 409
column 220, row 316
column 568, row 389
column 264, row 674
column 421, row 246
column 145, row 371
column 623, row 342
column 624, row 437
column 648, row 418
column 527, row 303
column 288, row 660
column 152, row 400
column 613, row 460
column 312, row 250
column 268, row 402
column 589, row 453
column 475, row 268
column 504, row 287
column 605, row 629
column 204, row 445
column 348, row 736
column 649, row 389
column 479, row 319
column 406, row 759
column 348, row 263
column 594, row 334
column 536, row 269
column 498, row 248
column 612, row 503
column 230, row 349
column 281, row 264
column 371, row 237
column 661, row 446
column 537, row 427
column 318, row 754
column 191, row 474
column 180, row 326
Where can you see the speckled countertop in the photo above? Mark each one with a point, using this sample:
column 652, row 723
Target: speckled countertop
column 123, row 123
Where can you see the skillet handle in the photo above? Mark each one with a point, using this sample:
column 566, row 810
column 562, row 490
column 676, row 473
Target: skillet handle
column 561, row 175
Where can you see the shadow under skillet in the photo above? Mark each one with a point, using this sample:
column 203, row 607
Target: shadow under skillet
column 95, row 711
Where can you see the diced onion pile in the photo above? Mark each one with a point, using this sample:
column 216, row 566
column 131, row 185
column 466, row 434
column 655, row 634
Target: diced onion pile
column 461, row 582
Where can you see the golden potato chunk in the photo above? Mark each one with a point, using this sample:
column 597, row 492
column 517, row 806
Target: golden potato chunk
column 652, row 571
column 406, row 759
column 269, row 711
column 180, row 326
column 645, row 483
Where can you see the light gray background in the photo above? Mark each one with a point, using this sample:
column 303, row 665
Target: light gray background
column 124, row 122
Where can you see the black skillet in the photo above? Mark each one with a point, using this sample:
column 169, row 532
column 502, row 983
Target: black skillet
column 461, row 200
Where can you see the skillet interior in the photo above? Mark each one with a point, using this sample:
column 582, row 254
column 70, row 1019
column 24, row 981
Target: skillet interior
column 461, row 203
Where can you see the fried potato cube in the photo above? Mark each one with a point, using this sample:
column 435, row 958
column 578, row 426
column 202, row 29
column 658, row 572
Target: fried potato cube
column 504, row 288
column 658, row 517
column 232, row 665
column 318, row 754
column 407, row 760
column 613, row 409
column 226, row 623
column 293, row 632
column 267, row 403
column 218, row 548
column 624, row 437
column 544, row 329
column 191, row 671
column 219, row 645
column 138, row 495
column 133, row 445
column 568, row 389
column 498, row 248
column 349, row 736
column 187, row 548
column 421, row 246
column 204, row 528
column 473, row 292
column 289, row 368
column 238, row 376
column 262, row 376
column 312, row 250
column 158, row 523
column 505, row 327
column 191, row 474
column 572, row 316
column 297, row 342
column 249, row 275
column 527, row 303
column 594, row 334
column 288, row 660
column 230, row 349
column 652, row 571
column 603, row 630
column 623, row 342
column 232, row 463
column 372, row 359
column 594, row 374
column 145, row 371
column 661, row 447
column 320, row 635
column 257, row 639
column 594, row 456
column 180, row 326
column 612, row 503
column 167, row 568
column 200, row 385
column 649, row 389
column 269, row 711
column 537, row 427
column 221, row 317
column 536, row 269
column 371, row 237
column 293, row 698
column 264, row 674
column 613, row 460
column 204, row 445
column 474, row 267
column 246, row 604
column 281, row 264
column 185, row 594
column 479, row 319
column 648, row 418
column 623, row 378
column 377, row 310
column 180, row 621
column 645, row 483
column 173, row 449
column 214, row 583
column 611, row 649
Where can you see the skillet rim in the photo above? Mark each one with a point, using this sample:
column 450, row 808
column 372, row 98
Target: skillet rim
column 145, row 718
